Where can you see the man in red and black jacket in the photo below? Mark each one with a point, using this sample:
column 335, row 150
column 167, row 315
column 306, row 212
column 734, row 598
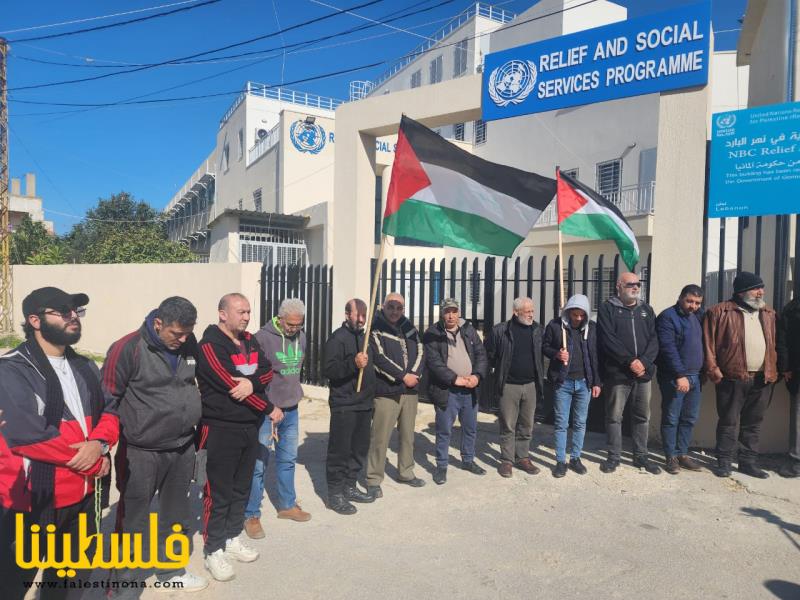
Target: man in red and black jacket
column 54, row 445
column 232, row 373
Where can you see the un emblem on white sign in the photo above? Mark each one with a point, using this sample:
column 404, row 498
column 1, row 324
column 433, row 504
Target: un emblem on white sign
column 307, row 137
column 512, row 82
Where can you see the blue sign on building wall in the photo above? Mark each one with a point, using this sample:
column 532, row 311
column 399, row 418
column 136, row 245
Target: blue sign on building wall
column 663, row 51
column 755, row 162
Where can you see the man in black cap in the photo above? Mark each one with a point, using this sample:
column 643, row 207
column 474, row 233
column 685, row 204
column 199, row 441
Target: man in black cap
column 740, row 358
column 55, row 445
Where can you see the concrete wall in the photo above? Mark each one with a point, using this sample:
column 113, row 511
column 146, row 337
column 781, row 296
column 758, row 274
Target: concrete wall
column 122, row 295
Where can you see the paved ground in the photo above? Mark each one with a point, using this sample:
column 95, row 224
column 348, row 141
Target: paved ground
column 625, row 535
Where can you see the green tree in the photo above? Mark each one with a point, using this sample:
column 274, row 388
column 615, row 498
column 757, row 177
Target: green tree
column 28, row 240
column 121, row 229
column 54, row 254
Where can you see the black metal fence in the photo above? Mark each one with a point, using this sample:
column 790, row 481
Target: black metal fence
column 314, row 286
column 485, row 288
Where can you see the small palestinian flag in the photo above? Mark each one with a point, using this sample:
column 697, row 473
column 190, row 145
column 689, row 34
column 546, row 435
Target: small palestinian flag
column 582, row 212
column 442, row 194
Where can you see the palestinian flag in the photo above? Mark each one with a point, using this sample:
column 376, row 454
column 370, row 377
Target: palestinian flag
column 442, row 194
column 582, row 212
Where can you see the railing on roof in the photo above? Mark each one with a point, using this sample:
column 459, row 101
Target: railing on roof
column 264, row 144
column 479, row 9
column 282, row 95
column 203, row 171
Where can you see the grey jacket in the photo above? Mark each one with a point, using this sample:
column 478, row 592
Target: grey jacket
column 287, row 356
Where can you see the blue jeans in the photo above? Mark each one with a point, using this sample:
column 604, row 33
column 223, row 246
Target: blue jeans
column 285, row 450
column 459, row 404
column 574, row 395
column 678, row 415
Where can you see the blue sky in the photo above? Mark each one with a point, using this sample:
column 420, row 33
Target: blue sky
column 149, row 150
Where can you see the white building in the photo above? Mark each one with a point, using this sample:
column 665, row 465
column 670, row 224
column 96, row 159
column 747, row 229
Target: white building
column 28, row 203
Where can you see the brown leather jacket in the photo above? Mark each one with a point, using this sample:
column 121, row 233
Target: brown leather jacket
column 723, row 339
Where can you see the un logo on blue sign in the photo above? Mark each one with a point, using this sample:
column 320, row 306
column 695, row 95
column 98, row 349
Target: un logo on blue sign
column 307, row 137
column 512, row 82
column 726, row 121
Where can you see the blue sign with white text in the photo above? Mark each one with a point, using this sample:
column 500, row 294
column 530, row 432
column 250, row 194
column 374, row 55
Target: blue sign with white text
column 755, row 162
column 663, row 51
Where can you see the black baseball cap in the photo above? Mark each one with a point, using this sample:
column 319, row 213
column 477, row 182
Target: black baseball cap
column 51, row 297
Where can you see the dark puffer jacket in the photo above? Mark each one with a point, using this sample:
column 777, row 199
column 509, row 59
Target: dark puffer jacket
column 398, row 351
column 626, row 333
column 440, row 379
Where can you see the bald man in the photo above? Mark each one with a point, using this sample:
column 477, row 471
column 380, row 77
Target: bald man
column 628, row 344
column 397, row 349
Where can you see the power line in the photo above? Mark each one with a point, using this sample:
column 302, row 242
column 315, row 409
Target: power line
column 98, row 18
column 113, row 25
column 199, row 54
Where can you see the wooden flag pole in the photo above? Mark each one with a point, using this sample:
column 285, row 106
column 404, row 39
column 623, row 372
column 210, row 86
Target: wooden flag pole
column 560, row 270
column 371, row 307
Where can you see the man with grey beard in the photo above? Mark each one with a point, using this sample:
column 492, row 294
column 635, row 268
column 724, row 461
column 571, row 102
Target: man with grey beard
column 628, row 343
column 740, row 358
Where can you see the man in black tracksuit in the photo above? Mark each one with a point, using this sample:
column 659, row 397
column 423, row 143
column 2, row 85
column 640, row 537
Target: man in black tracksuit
column 232, row 372
column 151, row 374
column 626, row 336
column 351, row 411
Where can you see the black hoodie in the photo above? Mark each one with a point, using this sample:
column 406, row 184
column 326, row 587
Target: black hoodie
column 219, row 361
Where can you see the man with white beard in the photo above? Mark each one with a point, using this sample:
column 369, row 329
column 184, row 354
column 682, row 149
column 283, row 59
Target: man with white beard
column 740, row 358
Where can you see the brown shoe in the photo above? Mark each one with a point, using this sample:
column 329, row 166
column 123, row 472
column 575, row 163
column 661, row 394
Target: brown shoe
column 295, row 514
column 526, row 464
column 672, row 467
column 504, row 469
column 689, row 463
column 253, row 529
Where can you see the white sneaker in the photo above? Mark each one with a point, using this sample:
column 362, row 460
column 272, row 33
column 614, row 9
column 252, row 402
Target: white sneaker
column 234, row 548
column 219, row 567
column 186, row 583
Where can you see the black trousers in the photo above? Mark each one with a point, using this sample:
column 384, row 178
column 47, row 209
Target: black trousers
column 231, row 459
column 741, row 405
column 142, row 473
column 15, row 581
column 348, row 444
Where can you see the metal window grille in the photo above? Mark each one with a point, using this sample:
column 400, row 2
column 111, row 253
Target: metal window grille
column 416, row 79
column 240, row 147
column 571, row 172
column 257, row 200
column 609, row 175
column 460, row 58
column 458, row 132
column 241, row 204
column 604, row 289
column 436, row 69
column 480, row 131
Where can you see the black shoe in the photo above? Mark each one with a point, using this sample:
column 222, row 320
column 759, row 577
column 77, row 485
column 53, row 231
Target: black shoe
column 338, row 504
column 473, row 468
column 647, row 464
column 415, row 482
column 752, row 470
column 560, row 470
column 609, row 466
column 576, row 465
column 723, row 468
column 352, row 493
column 440, row 475
column 375, row 491
column 790, row 469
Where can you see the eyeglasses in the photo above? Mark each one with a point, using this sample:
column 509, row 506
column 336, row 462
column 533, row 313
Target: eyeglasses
column 66, row 313
column 632, row 285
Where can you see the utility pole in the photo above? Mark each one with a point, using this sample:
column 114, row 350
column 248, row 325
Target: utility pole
column 6, row 318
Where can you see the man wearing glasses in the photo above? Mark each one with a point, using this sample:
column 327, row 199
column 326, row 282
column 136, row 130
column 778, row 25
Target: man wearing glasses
column 397, row 348
column 54, row 446
column 284, row 343
column 629, row 347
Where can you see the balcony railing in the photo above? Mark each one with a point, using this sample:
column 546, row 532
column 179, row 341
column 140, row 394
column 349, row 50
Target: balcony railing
column 282, row 95
column 203, row 173
column 264, row 144
column 632, row 201
column 479, row 9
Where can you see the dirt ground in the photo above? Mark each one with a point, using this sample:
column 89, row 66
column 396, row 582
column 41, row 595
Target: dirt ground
column 624, row 535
